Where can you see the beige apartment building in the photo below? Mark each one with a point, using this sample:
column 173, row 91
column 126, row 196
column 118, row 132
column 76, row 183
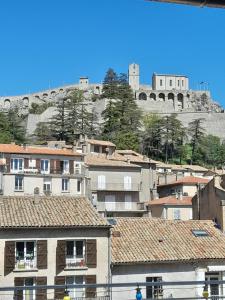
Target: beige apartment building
column 52, row 240
column 120, row 180
column 186, row 186
column 48, row 171
column 174, row 207
column 209, row 203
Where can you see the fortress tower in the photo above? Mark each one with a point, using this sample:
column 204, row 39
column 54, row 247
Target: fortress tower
column 134, row 76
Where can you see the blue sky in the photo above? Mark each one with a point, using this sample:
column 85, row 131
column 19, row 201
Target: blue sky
column 48, row 43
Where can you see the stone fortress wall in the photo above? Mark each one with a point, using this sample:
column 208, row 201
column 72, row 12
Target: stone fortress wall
column 167, row 94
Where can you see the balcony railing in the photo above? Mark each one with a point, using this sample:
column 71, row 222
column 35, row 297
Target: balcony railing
column 75, row 262
column 120, row 206
column 27, row 262
column 115, row 186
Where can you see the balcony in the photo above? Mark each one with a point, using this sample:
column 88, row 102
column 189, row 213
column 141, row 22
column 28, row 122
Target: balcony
column 27, row 262
column 120, row 206
column 73, row 262
column 115, row 186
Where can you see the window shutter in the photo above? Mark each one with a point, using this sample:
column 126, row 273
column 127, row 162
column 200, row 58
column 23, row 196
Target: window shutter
column 26, row 163
column 9, row 257
column 18, row 281
column 42, row 254
column 60, row 256
column 52, row 166
column 101, row 181
column 91, row 253
column 71, row 162
column 8, row 160
column 38, row 165
column 59, row 293
column 90, row 292
column 41, row 294
column 127, row 182
column 58, row 166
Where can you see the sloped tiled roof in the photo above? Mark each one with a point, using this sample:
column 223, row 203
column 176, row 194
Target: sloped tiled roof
column 195, row 168
column 130, row 155
column 171, row 200
column 188, row 180
column 49, row 212
column 16, row 149
column 99, row 142
column 101, row 160
column 141, row 240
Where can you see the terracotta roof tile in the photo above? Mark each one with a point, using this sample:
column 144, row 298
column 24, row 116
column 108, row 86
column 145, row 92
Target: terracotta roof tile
column 10, row 148
column 101, row 160
column 188, row 180
column 157, row 240
column 49, row 212
column 99, row 142
column 171, row 200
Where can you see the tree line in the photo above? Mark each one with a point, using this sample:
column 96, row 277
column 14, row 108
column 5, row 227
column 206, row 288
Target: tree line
column 123, row 123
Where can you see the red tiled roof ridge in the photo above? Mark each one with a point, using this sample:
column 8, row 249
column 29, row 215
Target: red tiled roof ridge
column 188, row 179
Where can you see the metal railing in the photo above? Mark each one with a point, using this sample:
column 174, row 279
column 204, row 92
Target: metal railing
column 27, row 262
column 120, row 206
column 115, row 186
column 75, row 262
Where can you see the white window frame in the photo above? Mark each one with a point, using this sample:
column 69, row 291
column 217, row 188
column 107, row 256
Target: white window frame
column 31, row 292
column 73, row 259
column 63, row 185
column 127, row 183
column 20, row 165
column 46, row 165
column 73, row 293
column 66, row 166
column 19, row 188
column 77, row 167
column 26, row 261
column 47, row 182
column 110, row 202
column 101, row 182
column 176, row 214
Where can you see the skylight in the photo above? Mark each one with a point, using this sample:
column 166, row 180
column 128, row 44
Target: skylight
column 200, row 233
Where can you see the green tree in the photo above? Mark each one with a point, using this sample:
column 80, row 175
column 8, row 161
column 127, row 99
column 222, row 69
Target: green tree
column 196, row 133
column 110, row 85
column 58, row 122
column 5, row 135
column 42, row 133
column 16, row 126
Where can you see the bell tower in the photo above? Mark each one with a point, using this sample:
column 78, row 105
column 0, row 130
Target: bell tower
column 134, row 76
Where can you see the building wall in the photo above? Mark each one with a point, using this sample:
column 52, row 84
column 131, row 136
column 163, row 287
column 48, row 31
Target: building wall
column 52, row 235
column 169, row 212
column 169, row 272
column 164, row 191
column 170, row 82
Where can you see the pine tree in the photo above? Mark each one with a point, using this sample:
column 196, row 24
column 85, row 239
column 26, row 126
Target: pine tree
column 42, row 133
column 110, row 85
column 5, row 135
column 196, row 132
column 16, row 126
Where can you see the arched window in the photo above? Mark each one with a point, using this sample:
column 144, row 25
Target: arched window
column 37, row 96
column 152, row 96
column 171, row 96
column 162, row 96
column 142, row 96
column 25, row 101
column 7, row 103
column 53, row 93
column 45, row 95
column 180, row 99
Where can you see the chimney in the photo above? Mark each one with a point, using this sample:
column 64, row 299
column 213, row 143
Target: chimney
column 36, row 196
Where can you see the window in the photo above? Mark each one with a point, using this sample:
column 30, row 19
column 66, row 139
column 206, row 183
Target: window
column 25, row 255
column 161, row 82
column 127, row 183
column 45, row 166
column 101, row 182
column 200, row 233
column 65, row 185
column 77, row 168
column 29, row 294
column 128, row 202
column 176, row 214
column 32, row 163
column 17, row 164
column 171, row 83
column 75, row 253
column 178, row 82
column 75, row 293
column 78, row 186
column 110, row 203
column 182, row 83
column 213, row 289
column 155, row 291
column 47, row 185
column 65, row 167
column 96, row 148
column 18, row 183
